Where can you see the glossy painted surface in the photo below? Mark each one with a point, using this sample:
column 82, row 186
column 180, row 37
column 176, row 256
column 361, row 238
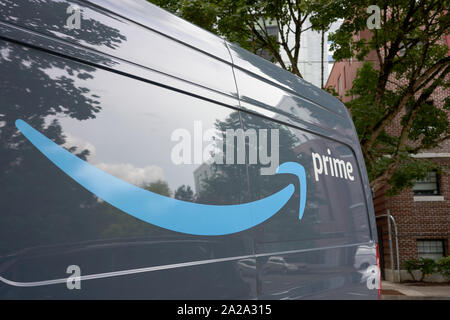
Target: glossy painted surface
column 249, row 62
column 161, row 210
column 122, row 39
column 256, row 92
column 121, row 126
column 107, row 98
column 168, row 24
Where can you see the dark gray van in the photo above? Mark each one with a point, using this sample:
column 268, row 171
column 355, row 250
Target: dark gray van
column 145, row 158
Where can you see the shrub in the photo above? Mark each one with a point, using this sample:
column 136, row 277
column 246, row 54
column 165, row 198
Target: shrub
column 410, row 266
column 443, row 266
column 425, row 265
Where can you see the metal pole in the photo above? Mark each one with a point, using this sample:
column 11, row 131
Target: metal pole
column 390, row 217
column 396, row 246
column 391, row 253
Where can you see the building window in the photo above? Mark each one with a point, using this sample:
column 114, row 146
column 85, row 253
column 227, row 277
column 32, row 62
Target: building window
column 429, row 186
column 433, row 249
column 272, row 31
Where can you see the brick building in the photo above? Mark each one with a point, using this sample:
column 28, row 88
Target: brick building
column 422, row 213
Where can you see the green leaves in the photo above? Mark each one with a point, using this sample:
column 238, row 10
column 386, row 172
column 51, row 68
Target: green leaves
column 443, row 266
column 364, row 112
column 429, row 125
column 428, row 266
column 201, row 13
column 264, row 27
column 394, row 108
column 408, row 171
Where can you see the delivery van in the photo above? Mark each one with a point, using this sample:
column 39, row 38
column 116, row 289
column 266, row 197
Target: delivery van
column 145, row 158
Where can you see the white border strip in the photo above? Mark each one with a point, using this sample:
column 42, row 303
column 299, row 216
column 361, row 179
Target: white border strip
column 431, row 155
column 428, row 198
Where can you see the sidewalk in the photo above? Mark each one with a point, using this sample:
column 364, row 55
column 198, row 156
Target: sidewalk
column 406, row 291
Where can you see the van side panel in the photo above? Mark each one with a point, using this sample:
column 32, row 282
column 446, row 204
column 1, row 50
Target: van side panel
column 168, row 24
column 148, row 117
column 117, row 37
column 130, row 130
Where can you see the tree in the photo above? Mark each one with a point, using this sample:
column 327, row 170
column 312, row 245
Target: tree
column 122, row 225
column 41, row 89
column 411, row 63
column 247, row 22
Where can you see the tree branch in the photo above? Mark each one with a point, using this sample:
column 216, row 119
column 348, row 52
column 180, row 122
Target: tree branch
column 402, row 141
column 268, row 44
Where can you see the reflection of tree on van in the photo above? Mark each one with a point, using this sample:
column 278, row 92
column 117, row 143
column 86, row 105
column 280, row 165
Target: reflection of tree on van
column 224, row 183
column 221, row 182
column 92, row 31
column 39, row 89
column 19, row 158
column 119, row 224
column 184, row 193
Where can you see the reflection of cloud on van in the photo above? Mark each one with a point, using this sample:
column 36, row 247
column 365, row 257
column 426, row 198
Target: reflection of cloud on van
column 130, row 173
column 139, row 176
column 80, row 144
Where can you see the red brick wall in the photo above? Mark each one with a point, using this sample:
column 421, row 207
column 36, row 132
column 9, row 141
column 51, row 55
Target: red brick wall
column 416, row 220
column 419, row 219
column 347, row 71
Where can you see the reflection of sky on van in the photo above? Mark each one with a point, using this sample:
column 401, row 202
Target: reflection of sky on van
column 133, row 129
column 172, row 25
column 262, row 94
column 263, row 68
column 130, row 48
column 140, row 176
column 128, row 172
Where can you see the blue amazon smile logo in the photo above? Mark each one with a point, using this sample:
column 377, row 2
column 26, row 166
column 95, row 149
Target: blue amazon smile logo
column 162, row 211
